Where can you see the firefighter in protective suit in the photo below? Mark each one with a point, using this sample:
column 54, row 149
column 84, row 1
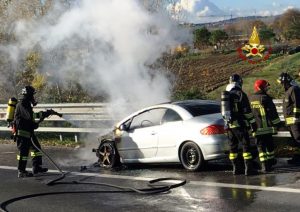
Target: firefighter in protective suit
column 291, row 112
column 241, row 120
column 267, row 121
column 25, row 125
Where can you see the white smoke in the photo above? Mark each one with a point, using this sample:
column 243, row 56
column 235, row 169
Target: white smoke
column 108, row 45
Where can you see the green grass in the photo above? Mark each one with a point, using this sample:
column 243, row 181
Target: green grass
column 289, row 63
column 49, row 142
column 192, row 56
column 49, row 139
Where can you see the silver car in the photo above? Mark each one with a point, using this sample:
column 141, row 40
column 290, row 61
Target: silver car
column 189, row 132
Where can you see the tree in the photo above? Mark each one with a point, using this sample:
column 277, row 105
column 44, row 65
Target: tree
column 231, row 30
column 266, row 34
column 201, row 37
column 218, row 37
column 289, row 24
column 258, row 24
column 29, row 73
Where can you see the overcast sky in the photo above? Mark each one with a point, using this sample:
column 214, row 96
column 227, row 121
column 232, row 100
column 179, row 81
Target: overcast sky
column 208, row 10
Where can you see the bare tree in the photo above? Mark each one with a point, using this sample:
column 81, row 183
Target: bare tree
column 288, row 25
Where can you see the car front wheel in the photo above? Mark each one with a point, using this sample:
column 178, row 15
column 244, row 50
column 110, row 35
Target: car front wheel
column 191, row 156
column 108, row 155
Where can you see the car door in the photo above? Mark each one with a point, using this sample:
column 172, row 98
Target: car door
column 170, row 133
column 140, row 140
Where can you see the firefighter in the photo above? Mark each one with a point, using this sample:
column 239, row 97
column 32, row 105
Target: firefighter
column 291, row 112
column 267, row 121
column 240, row 121
column 25, row 125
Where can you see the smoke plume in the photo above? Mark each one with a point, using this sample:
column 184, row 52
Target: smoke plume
column 108, row 45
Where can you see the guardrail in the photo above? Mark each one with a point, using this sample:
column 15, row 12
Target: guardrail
column 281, row 133
column 93, row 116
column 87, row 113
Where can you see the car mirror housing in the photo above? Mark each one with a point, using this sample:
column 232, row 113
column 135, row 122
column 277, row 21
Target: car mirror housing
column 122, row 127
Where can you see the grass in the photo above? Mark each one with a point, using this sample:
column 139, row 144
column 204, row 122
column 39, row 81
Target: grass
column 289, row 63
column 49, row 142
column 48, row 139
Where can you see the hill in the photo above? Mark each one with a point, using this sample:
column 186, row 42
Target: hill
column 205, row 75
column 207, row 72
column 270, row 72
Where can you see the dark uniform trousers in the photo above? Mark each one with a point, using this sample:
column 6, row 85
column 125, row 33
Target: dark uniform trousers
column 265, row 147
column 295, row 132
column 25, row 145
column 236, row 136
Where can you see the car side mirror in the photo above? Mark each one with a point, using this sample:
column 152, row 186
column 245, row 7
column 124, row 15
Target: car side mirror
column 123, row 127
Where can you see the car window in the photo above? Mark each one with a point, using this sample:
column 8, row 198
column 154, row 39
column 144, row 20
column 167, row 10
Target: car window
column 171, row 116
column 203, row 109
column 147, row 119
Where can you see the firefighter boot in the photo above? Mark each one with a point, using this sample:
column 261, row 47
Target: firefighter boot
column 39, row 169
column 249, row 170
column 266, row 166
column 237, row 168
column 23, row 174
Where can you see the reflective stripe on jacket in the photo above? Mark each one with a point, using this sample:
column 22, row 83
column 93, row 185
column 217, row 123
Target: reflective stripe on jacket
column 241, row 114
column 291, row 105
column 265, row 113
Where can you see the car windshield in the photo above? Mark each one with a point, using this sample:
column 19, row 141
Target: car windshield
column 200, row 109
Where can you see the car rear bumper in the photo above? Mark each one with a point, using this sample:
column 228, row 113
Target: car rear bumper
column 216, row 147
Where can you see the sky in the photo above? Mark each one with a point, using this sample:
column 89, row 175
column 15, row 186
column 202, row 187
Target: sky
column 260, row 7
column 200, row 11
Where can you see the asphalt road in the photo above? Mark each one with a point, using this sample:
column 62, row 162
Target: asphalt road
column 213, row 189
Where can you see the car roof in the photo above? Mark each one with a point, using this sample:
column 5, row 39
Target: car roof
column 195, row 102
column 189, row 102
column 178, row 105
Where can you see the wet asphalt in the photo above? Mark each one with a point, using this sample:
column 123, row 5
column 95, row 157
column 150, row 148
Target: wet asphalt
column 212, row 189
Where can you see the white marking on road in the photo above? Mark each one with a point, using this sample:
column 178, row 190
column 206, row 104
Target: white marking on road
column 198, row 183
column 8, row 152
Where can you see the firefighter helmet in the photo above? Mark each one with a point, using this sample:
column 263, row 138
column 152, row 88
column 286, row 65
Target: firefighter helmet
column 28, row 91
column 235, row 78
column 261, row 85
column 284, row 78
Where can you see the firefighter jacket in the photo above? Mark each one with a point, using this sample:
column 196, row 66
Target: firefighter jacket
column 241, row 114
column 25, row 119
column 265, row 113
column 291, row 105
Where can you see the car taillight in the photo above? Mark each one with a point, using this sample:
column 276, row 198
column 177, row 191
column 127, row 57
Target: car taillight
column 213, row 130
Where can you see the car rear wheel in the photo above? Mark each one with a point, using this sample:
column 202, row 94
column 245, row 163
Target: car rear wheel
column 108, row 155
column 191, row 156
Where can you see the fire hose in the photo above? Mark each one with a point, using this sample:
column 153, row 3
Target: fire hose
column 153, row 187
